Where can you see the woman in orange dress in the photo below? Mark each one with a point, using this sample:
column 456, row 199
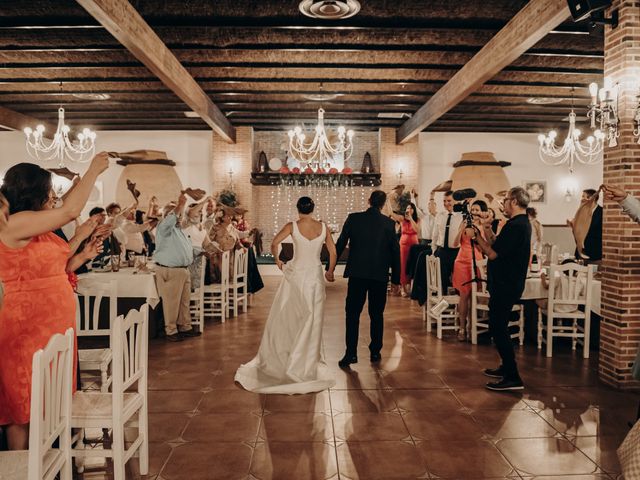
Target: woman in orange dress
column 463, row 265
column 409, row 228
column 38, row 299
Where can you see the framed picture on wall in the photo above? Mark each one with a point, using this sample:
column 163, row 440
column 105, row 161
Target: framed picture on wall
column 537, row 190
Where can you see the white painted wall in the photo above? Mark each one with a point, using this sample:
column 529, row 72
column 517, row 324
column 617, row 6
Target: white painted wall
column 438, row 152
column 190, row 150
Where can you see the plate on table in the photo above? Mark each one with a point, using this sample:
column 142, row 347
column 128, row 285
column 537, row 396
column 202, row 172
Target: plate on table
column 275, row 164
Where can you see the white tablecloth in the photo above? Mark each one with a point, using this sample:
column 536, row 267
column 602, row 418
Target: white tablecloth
column 533, row 290
column 130, row 284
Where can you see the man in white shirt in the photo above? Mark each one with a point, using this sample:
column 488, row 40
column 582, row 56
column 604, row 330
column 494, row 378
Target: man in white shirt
column 427, row 217
column 445, row 229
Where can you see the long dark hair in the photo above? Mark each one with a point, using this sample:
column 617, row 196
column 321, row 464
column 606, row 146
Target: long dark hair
column 26, row 187
column 414, row 215
column 483, row 206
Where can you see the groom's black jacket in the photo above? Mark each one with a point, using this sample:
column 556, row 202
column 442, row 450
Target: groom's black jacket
column 373, row 246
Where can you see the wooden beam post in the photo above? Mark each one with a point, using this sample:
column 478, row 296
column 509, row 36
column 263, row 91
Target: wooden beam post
column 17, row 121
column 130, row 29
column 524, row 30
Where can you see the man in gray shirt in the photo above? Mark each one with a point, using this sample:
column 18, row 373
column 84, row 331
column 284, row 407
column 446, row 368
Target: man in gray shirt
column 630, row 205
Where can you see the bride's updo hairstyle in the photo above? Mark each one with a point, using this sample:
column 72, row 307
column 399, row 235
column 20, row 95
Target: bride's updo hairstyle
column 305, row 205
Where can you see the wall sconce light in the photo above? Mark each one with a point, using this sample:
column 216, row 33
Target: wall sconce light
column 570, row 187
column 399, row 173
column 603, row 111
column 230, row 173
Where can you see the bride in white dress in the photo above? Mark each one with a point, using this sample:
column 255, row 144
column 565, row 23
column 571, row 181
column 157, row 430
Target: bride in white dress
column 290, row 358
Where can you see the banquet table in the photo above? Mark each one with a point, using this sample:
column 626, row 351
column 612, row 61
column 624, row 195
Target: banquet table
column 533, row 290
column 134, row 289
column 130, row 284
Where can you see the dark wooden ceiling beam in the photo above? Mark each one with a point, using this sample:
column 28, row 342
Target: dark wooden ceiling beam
column 523, row 31
column 130, row 29
column 398, row 38
column 289, row 74
column 12, row 120
column 259, row 87
column 265, row 58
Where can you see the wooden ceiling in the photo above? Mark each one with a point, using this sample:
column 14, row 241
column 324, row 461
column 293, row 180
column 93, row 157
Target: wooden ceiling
column 262, row 62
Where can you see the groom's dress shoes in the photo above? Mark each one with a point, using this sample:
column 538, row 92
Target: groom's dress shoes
column 375, row 357
column 347, row 360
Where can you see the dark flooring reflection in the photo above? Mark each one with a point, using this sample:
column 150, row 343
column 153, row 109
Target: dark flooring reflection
column 422, row 413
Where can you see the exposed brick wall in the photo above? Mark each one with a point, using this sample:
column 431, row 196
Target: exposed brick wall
column 620, row 328
column 272, row 207
column 237, row 156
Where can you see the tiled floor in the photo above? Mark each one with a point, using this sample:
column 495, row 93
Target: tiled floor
column 423, row 413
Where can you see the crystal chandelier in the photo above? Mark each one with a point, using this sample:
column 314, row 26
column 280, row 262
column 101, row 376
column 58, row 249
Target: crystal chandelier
column 572, row 149
column 61, row 147
column 603, row 111
column 320, row 153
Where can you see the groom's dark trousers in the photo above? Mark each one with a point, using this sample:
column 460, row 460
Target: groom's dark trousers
column 373, row 252
column 358, row 291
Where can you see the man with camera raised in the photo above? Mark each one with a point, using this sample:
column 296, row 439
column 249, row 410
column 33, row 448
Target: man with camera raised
column 508, row 262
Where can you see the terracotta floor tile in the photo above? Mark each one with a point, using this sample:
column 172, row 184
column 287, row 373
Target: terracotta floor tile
column 158, row 455
column 464, row 459
column 437, row 386
column 223, row 427
column 296, row 427
column 602, row 450
column 362, row 401
column 314, row 402
column 546, row 456
column 230, row 401
column 206, row 461
column 480, row 398
column 369, row 427
column 166, row 380
column 380, row 461
column 413, row 380
column 312, row 460
column 513, row 424
column 426, row 400
column 169, row 401
column 166, row 426
column 435, row 426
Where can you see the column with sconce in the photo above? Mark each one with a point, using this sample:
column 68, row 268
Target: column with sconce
column 621, row 247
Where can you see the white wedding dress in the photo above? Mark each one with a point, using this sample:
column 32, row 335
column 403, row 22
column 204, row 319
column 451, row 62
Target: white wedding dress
column 290, row 358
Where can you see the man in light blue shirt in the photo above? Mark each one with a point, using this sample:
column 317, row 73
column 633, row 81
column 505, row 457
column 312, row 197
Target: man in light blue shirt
column 172, row 257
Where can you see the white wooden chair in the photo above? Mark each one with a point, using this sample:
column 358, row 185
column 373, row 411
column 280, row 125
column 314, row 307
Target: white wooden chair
column 52, row 377
column 87, row 325
column 127, row 404
column 480, row 308
column 549, row 254
column 216, row 296
column 197, row 299
column 238, row 283
column 570, row 286
column 447, row 319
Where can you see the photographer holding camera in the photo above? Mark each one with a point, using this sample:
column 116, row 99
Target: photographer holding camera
column 508, row 255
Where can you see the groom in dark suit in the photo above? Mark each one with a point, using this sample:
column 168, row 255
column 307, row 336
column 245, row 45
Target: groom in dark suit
column 373, row 251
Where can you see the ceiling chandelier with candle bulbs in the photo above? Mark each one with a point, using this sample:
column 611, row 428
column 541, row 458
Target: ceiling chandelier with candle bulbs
column 316, row 149
column 603, row 111
column 61, row 147
column 572, row 148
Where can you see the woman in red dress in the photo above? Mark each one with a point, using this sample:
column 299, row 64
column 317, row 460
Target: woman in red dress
column 38, row 298
column 462, row 267
column 409, row 228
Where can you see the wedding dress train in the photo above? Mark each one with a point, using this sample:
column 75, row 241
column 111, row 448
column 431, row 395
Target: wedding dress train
column 290, row 358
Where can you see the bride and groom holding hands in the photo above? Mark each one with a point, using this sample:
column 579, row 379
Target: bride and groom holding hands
column 290, row 358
